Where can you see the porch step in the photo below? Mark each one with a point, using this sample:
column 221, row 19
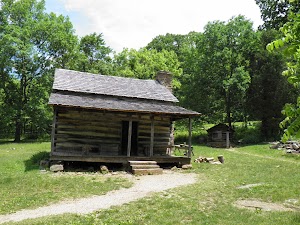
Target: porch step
column 153, row 171
column 142, row 162
column 145, row 168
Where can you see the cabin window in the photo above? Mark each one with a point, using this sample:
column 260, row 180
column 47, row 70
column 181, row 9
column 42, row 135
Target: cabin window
column 217, row 135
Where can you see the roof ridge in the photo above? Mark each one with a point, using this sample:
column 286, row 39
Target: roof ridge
column 106, row 75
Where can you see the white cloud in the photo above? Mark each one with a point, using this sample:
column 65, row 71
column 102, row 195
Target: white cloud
column 134, row 23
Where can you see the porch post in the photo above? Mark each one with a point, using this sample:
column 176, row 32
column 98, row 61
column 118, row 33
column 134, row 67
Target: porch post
column 190, row 138
column 152, row 137
column 53, row 132
column 129, row 137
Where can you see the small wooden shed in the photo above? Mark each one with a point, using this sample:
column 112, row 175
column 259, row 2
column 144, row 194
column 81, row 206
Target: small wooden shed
column 100, row 118
column 220, row 136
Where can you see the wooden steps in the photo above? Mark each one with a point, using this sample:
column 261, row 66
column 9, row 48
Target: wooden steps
column 145, row 168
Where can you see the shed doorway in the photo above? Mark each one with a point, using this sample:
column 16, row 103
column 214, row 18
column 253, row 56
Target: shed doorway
column 134, row 138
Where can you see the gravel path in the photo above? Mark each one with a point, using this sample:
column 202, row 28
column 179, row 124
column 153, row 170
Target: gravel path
column 143, row 186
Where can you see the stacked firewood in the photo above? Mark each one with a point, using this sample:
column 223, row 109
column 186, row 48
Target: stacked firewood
column 289, row 146
column 210, row 160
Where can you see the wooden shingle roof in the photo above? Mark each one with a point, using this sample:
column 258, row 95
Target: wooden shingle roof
column 101, row 92
column 101, row 102
column 69, row 80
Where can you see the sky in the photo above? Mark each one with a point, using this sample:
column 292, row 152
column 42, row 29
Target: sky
column 134, row 23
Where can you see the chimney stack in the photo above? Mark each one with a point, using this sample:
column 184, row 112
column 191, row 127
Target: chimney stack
column 165, row 78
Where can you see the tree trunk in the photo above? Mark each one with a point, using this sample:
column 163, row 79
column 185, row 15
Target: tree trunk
column 20, row 103
column 18, row 129
column 228, row 109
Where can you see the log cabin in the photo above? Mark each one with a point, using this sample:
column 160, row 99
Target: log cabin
column 110, row 119
column 220, row 136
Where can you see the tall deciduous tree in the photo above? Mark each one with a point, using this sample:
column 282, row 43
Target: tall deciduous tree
column 274, row 13
column 94, row 55
column 269, row 90
column 221, row 82
column 32, row 44
column 144, row 64
column 291, row 44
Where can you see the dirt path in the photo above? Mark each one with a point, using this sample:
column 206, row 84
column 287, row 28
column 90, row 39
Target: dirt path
column 254, row 204
column 143, row 186
column 262, row 156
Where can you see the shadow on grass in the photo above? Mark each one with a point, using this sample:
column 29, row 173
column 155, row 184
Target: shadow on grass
column 295, row 156
column 34, row 161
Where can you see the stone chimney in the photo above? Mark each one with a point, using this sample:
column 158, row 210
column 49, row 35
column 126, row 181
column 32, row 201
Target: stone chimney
column 165, row 78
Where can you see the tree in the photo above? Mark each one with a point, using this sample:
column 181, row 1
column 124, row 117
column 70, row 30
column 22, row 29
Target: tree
column 144, row 64
column 94, row 55
column 274, row 13
column 269, row 90
column 291, row 45
column 221, row 79
column 32, row 44
column 184, row 46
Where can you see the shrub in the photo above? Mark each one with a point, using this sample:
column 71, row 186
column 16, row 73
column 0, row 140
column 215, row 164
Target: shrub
column 248, row 135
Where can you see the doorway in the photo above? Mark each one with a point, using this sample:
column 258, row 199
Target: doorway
column 134, row 138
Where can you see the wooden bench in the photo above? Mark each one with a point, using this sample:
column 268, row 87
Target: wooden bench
column 183, row 147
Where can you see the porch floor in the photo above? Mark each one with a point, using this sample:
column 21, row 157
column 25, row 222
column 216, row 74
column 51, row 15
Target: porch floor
column 123, row 159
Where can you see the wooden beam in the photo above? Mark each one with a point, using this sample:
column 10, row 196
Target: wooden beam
column 152, row 137
column 119, row 159
column 53, row 132
column 190, row 138
column 129, row 137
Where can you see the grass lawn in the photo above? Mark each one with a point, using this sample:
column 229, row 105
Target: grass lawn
column 22, row 185
column 210, row 200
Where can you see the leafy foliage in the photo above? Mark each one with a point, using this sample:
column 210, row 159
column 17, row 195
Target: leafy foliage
column 93, row 55
column 32, row 44
column 224, row 72
column 291, row 44
column 274, row 13
column 269, row 90
column 144, row 64
column 222, row 77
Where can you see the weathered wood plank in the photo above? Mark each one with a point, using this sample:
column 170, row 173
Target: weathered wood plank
column 152, row 137
column 87, row 133
column 190, row 138
column 96, row 141
column 129, row 138
column 94, row 127
column 120, row 159
column 53, row 132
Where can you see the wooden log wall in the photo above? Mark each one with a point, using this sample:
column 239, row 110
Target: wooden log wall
column 88, row 132
column 161, row 135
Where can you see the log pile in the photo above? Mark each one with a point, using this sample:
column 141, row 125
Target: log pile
column 289, row 146
column 210, row 160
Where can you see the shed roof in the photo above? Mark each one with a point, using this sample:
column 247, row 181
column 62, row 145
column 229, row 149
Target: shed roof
column 101, row 102
column 81, row 82
column 220, row 126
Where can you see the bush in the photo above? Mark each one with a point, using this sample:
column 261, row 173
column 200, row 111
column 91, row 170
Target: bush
column 199, row 135
column 248, row 135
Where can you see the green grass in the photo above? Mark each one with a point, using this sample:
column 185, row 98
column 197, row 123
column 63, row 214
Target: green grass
column 210, row 200
column 22, row 185
column 246, row 135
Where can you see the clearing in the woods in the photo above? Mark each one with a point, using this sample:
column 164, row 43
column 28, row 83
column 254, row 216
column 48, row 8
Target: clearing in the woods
column 255, row 185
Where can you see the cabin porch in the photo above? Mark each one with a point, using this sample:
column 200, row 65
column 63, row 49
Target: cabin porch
column 180, row 160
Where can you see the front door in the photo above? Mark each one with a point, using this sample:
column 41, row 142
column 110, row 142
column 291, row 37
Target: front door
column 134, row 138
